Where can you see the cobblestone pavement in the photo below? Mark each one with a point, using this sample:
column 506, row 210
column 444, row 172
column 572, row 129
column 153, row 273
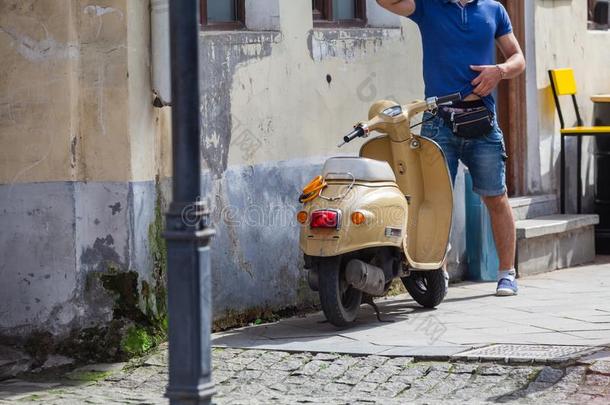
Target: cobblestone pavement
column 265, row 377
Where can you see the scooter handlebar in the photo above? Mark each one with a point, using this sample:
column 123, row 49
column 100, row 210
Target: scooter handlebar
column 448, row 99
column 356, row 133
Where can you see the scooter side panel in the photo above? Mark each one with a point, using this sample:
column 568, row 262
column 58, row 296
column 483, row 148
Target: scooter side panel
column 384, row 207
column 422, row 174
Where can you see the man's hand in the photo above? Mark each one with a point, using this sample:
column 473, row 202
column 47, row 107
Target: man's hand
column 491, row 75
column 487, row 80
column 400, row 7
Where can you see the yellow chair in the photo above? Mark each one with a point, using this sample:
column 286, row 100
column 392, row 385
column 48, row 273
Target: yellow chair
column 563, row 83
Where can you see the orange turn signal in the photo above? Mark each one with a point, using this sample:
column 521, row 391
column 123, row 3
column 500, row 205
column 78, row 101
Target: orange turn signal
column 302, row 217
column 358, row 218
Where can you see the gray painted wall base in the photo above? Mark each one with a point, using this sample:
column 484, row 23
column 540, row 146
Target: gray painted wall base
column 545, row 245
column 257, row 264
column 54, row 237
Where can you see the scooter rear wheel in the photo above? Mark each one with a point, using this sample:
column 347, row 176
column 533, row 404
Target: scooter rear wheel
column 427, row 288
column 340, row 302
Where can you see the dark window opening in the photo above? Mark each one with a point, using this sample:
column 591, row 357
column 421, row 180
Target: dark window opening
column 223, row 14
column 598, row 14
column 346, row 13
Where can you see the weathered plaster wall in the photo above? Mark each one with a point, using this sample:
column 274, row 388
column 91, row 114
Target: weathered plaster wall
column 38, row 50
column 80, row 147
column 75, row 90
column 81, row 150
column 562, row 40
column 274, row 105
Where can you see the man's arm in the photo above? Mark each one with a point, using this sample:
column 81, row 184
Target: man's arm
column 491, row 75
column 400, row 7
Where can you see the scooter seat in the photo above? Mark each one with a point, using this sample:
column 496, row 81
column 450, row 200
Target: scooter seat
column 362, row 169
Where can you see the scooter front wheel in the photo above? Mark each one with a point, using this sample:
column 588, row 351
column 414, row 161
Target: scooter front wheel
column 340, row 301
column 427, row 288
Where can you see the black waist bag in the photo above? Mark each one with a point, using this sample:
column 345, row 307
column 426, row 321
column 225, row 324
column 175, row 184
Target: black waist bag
column 471, row 123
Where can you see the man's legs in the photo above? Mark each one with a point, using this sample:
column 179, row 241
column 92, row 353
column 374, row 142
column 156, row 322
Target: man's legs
column 486, row 160
column 503, row 226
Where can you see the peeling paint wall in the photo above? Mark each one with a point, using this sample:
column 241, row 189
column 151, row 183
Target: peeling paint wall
column 80, row 148
column 562, row 40
column 55, row 236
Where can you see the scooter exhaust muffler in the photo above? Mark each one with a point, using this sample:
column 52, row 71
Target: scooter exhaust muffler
column 365, row 277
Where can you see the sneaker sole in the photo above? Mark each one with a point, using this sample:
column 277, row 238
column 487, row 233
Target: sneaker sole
column 505, row 292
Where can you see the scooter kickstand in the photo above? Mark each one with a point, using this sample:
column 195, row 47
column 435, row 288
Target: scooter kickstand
column 369, row 300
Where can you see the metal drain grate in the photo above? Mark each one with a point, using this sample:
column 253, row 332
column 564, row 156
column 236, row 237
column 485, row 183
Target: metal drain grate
column 526, row 353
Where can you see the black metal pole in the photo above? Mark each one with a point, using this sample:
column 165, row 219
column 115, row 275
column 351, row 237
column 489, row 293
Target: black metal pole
column 187, row 231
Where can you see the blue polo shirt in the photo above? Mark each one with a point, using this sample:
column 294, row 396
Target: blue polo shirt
column 455, row 37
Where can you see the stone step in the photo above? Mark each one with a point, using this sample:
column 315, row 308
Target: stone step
column 529, row 207
column 554, row 242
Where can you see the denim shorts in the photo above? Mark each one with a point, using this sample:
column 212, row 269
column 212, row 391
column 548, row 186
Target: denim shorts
column 485, row 157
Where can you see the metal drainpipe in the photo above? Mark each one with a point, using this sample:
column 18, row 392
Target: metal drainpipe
column 160, row 52
column 188, row 231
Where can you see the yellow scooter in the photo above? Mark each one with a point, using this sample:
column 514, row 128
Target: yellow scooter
column 384, row 215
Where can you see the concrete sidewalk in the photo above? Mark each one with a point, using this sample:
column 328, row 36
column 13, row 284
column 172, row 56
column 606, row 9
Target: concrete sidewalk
column 562, row 308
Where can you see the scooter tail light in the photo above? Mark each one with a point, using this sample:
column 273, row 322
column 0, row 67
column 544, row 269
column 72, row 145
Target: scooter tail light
column 325, row 219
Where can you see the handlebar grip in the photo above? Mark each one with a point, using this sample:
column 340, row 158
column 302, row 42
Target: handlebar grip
column 448, row 99
column 357, row 132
